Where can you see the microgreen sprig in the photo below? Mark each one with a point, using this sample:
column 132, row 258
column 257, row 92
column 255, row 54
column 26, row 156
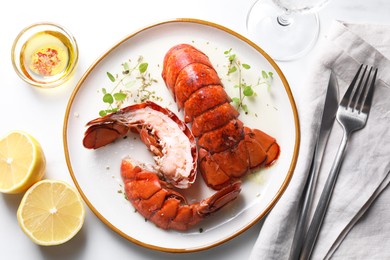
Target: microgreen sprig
column 130, row 76
column 245, row 90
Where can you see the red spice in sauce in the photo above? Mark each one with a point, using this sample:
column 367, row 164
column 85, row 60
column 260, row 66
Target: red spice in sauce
column 45, row 60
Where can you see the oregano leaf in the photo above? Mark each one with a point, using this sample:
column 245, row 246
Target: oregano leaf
column 119, row 96
column 143, row 67
column 232, row 69
column 246, row 66
column 245, row 108
column 235, row 99
column 110, row 76
column 126, row 66
column 248, row 91
column 108, row 98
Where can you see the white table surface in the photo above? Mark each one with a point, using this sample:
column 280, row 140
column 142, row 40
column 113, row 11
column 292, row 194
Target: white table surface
column 97, row 25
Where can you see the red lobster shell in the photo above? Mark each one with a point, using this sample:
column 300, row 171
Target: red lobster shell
column 166, row 136
column 227, row 148
column 166, row 208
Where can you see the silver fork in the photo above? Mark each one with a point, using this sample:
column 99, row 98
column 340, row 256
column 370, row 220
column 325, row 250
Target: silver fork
column 352, row 115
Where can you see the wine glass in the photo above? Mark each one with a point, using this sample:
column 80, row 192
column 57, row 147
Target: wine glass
column 285, row 29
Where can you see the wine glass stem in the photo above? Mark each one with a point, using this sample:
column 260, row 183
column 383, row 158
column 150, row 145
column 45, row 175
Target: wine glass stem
column 284, row 19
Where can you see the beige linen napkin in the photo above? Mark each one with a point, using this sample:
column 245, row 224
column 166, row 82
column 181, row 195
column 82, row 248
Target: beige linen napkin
column 357, row 223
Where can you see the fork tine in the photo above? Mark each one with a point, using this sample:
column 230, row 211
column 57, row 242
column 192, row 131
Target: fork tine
column 368, row 100
column 360, row 92
column 345, row 101
column 353, row 101
column 363, row 92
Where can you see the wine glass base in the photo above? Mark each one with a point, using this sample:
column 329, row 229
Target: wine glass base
column 282, row 42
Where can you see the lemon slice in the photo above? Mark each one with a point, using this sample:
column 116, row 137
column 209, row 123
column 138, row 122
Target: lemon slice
column 22, row 162
column 51, row 212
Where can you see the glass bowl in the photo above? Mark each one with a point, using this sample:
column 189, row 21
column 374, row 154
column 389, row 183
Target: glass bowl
column 44, row 55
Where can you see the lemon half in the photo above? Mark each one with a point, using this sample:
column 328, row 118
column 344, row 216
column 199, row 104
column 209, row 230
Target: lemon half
column 22, row 162
column 51, row 212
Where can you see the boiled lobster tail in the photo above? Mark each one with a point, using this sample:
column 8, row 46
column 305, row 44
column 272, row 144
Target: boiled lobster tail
column 166, row 136
column 167, row 208
column 227, row 148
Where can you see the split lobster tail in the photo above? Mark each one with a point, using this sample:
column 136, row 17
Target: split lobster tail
column 165, row 207
column 165, row 135
column 227, row 149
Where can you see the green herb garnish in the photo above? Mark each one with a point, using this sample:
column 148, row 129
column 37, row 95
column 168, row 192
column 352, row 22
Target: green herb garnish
column 245, row 90
column 131, row 76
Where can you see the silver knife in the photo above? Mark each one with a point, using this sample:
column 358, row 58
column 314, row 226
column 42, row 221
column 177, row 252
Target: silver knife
column 328, row 117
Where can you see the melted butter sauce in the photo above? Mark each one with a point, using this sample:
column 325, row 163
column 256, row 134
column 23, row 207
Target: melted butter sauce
column 46, row 56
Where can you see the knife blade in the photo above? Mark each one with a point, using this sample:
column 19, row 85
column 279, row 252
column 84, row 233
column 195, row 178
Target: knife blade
column 328, row 117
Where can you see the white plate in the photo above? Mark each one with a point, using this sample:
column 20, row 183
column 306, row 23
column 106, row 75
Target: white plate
column 96, row 172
